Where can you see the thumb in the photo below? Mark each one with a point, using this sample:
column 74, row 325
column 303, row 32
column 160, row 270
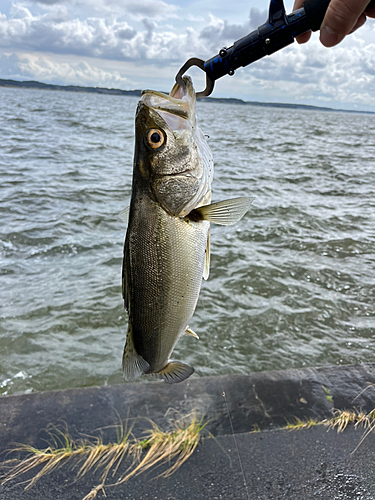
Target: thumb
column 340, row 19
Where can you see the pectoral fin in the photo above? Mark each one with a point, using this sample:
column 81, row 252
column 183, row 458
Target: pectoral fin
column 225, row 212
column 133, row 365
column 175, row 372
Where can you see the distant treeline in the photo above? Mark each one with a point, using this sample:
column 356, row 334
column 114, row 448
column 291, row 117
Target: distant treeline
column 67, row 88
column 137, row 93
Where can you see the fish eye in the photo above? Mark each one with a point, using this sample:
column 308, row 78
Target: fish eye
column 155, row 138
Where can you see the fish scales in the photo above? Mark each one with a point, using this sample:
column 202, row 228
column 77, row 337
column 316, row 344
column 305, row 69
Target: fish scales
column 167, row 290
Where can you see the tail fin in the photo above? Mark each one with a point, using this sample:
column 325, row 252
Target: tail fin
column 133, row 365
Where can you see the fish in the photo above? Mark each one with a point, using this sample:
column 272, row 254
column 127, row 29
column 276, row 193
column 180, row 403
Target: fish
column 167, row 242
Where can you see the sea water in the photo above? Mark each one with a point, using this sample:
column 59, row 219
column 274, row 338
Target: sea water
column 291, row 285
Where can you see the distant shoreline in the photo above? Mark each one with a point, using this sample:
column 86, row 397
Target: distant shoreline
column 137, row 93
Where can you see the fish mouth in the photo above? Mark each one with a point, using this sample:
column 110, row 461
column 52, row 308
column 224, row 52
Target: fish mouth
column 187, row 173
column 178, row 108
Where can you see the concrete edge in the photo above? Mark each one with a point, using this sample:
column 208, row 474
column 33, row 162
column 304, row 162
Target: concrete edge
column 260, row 400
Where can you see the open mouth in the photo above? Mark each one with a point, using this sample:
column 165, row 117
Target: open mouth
column 176, row 109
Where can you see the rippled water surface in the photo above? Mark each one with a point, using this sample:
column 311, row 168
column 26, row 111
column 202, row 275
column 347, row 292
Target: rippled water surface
column 291, row 285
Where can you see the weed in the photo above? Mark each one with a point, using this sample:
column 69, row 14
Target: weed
column 157, row 448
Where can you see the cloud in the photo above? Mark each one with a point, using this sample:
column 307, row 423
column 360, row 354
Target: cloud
column 257, row 18
column 48, row 70
column 149, row 8
column 220, row 33
column 219, row 29
column 55, row 32
column 148, row 44
column 345, row 74
column 110, row 38
column 126, row 33
column 135, row 8
column 107, row 38
column 50, row 2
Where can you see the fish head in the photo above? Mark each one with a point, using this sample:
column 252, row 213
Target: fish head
column 171, row 153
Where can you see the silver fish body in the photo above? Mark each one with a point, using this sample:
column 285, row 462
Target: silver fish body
column 167, row 263
column 166, row 250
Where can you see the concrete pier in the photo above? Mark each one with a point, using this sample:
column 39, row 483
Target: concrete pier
column 237, row 463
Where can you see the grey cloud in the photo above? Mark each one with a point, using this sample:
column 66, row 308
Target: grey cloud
column 126, row 33
column 257, row 18
column 368, row 67
column 226, row 32
column 10, row 68
column 149, row 25
column 50, row 2
column 317, row 64
column 221, row 33
column 149, row 8
column 209, row 32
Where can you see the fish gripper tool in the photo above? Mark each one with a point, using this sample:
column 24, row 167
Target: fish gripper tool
column 277, row 32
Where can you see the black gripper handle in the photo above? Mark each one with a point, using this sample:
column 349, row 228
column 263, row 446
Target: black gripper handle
column 279, row 31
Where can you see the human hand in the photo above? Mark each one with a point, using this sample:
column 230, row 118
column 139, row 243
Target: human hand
column 342, row 17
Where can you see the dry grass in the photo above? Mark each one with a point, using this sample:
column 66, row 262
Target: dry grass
column 340, row 420
column 160, row 447
column 157, row 448
column 301, row 424
column 61, row 449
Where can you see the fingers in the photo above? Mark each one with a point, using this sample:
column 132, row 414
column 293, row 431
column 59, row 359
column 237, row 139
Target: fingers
column 370, row 12
column 342, row 17
column 297, row 4
column 306, row 36
column 361, row 21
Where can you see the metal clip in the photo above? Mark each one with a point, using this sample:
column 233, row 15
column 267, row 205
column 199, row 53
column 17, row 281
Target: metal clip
column 194, row 61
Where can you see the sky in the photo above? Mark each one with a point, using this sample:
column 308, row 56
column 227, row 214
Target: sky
column 138, row 44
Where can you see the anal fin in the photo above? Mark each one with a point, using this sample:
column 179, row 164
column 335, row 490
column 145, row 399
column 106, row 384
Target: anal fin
column 175, row 372
column 133, row 365
column 190, row 332
column 206, row 270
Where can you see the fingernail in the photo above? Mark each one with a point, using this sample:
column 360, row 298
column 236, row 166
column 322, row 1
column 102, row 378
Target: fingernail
column 328, row 37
